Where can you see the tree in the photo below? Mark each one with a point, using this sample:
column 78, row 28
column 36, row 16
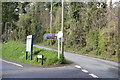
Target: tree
column 9, row 17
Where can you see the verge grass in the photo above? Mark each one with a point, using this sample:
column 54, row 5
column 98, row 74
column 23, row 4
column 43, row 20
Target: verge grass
column 15, row 51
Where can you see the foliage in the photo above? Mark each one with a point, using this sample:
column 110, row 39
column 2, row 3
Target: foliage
column 102, row 44
column 92, row 39
column 9, row 17
column 89, row 27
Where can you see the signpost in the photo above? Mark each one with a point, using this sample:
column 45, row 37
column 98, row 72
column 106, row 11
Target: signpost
column 55, row 36
column 29, row 46
column 60, row 35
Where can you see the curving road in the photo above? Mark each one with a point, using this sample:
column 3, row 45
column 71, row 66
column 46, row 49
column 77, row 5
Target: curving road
column 99, row 67
column 28, row 71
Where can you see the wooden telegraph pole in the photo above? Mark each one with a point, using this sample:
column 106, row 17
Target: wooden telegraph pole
column 62, row 29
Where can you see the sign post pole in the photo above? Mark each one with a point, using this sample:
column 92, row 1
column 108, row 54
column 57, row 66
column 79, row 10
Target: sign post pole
column 26, row 55
column 58, row 48
column 60, row 35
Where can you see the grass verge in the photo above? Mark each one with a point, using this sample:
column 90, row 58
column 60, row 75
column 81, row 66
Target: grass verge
column 15, row 51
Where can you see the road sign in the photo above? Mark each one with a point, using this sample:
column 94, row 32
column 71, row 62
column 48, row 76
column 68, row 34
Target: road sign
column 29, row 46
column 29, row 43
column 60, row 34
column 50, row 36
column 39, row 56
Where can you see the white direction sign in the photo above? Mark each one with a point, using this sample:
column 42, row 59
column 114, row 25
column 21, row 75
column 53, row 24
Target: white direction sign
column 39, row 56
column 29, row 43
column 50, row 36
column 60, row 34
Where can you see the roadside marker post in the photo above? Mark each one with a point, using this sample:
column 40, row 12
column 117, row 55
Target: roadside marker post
column 40, row 57
column 29, row 46
column 26, row 55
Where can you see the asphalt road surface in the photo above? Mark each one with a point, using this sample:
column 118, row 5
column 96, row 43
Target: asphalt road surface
column 28, row 71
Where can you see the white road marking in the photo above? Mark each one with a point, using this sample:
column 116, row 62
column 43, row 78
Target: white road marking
column 11, row 63
column 77, row 66
column 84, row 70
column 93, row 75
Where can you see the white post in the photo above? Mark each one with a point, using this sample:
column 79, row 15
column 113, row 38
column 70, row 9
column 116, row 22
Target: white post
column 58, row 48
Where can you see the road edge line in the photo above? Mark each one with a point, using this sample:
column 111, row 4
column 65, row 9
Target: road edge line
column 84, row 70
column 12, row 63
column 94, row 76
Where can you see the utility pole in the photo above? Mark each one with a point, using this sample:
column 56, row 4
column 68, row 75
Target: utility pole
column 51, row 22
column 62, row 29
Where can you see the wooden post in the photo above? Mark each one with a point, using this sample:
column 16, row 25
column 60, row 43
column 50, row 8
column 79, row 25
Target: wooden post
column 31, row 55
column 42, row 59
column 62, row 39
column 26, row 55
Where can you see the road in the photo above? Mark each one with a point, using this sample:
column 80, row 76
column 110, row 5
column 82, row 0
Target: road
column 28, row 71
column 99, row 67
